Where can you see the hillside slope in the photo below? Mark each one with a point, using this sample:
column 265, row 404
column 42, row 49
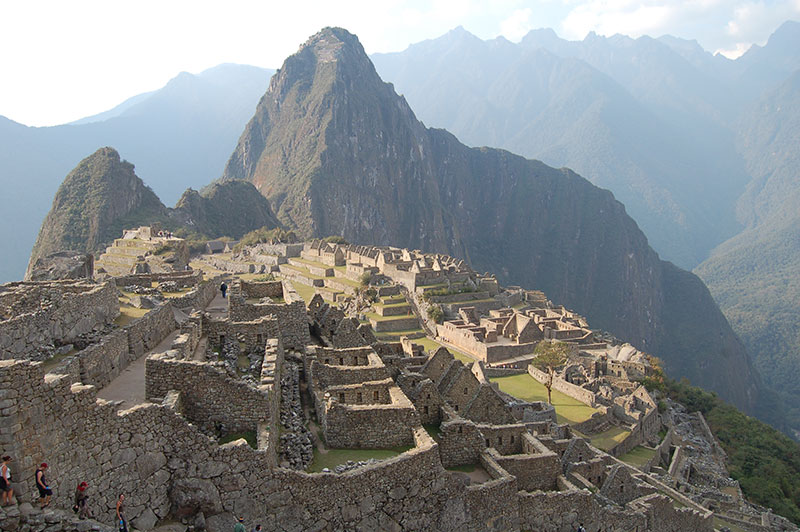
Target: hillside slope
column 338, row 152
column 179, row 136
column 755, row 276
column 103, row 195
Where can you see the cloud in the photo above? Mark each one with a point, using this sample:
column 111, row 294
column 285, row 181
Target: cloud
column 517, row 25
column 728, row 26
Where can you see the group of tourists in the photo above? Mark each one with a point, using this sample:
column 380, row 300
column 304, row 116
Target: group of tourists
column 81, row 500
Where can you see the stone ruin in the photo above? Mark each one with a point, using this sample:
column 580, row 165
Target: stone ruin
column 468, row 457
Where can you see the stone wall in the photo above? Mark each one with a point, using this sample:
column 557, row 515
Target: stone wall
column 150, row 453
column 148, row 331
column 201, row 296
column 567, row 388
column 251, row 334
column 294, row 330
column 210, row 395
column 52, row 312
column 369, row 426
column 100, row 363
column 273, row 289
column 182, row 279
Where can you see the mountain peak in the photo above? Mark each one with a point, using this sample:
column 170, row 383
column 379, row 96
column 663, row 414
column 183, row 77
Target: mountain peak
column 330, row 43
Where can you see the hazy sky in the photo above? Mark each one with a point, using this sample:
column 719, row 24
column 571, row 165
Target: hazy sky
column 61, row 60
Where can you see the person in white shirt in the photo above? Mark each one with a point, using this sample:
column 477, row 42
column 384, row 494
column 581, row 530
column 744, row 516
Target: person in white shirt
column 6, row 492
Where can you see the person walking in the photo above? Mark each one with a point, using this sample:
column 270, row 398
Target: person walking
column 82, row 501
column 256, row 529
column 6, row 491
column 224, row 289
column 123, row 523
column 45, row 493
column 240, row 526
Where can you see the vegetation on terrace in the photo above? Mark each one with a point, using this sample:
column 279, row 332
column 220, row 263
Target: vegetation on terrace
column 764, row 461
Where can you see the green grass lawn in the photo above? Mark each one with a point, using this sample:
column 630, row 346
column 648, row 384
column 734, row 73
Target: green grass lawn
column 397, row 303
column 432, row 345
column 128, row 314
column 303, row 290
column 608, row 439
column 525, row 387
column 336, row 457
column 312, row 263
column 378, row 317
column 638, row 456
column 394, row 336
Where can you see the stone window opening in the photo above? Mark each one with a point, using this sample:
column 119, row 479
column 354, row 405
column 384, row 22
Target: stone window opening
column 341, row 397
column 376, row 396
column 512, row 439
column 260, row 338
column 327, row 360
column 499, row 440
column 466, row 390
column 488, row 443
column 425, row 409
column 460, row 429
column 222, row 339
column 455, row 407
column 341, row 361
column 359, row 397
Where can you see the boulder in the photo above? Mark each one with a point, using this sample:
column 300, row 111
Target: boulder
column 62, row 265
column 190, row 496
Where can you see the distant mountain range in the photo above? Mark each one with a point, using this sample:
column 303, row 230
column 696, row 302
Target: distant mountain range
column 337, row 151
column 179, row 137
column 702, row 150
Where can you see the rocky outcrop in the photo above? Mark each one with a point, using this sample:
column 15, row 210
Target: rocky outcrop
column 62, row 265
column 103, row 196
column 224, row 209
column 336, row 151
column 99, row 197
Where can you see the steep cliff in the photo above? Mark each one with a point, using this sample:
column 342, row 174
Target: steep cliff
column 224, row 209
column 337, row 151
column 103, row 195
column 96, row 200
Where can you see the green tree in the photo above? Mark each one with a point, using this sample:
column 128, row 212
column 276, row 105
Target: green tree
column 435, row 313
column 549, row 357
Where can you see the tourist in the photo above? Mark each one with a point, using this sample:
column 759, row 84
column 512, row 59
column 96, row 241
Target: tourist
column 6, row 491
column 257, row 528
column 123, row 523
column 581, row 529
column 82, row 501
column 45, row 493
column 224, row 289
column 239, row 526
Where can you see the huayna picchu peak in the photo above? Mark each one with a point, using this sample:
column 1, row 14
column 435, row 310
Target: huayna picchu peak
column 337, row 151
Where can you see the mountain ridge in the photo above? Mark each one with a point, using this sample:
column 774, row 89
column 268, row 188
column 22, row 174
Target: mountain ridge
column 337, row 151
column 102, row 196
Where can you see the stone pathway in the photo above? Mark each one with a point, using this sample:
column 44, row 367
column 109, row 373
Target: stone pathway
column 128, row 387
